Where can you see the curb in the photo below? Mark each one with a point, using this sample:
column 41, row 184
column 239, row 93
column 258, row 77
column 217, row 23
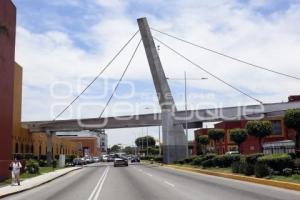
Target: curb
column 26, row 189
column 279, row 184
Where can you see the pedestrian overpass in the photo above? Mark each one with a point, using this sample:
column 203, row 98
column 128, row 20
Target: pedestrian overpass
column 173, row 121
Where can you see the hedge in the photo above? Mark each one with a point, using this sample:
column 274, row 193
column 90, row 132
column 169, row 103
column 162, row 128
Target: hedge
column 277, row 162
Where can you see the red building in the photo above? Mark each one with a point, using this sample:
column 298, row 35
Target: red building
column 251, row 145
column 7, row 67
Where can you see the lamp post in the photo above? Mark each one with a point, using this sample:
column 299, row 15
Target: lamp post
column 186, row 104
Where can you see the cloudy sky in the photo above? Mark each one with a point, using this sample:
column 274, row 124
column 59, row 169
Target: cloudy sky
column 63, row 44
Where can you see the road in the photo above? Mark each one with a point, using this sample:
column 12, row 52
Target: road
column 148, row 182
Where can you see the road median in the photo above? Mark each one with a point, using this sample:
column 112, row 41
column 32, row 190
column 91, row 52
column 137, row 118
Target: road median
column 280, row 184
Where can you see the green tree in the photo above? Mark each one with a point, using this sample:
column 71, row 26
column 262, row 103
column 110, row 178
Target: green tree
column 292, row 120
column 259, row 129
column 238, row 136
column 202, row 142
column 216, row 135
column 141, row 142
column 129, row 150
column 115, row 148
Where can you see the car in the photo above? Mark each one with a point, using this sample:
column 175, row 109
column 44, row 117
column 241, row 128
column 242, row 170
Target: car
column 96, row 159
column 120, row 162
column 78, row 161
column 104, row 158
column 232, row 153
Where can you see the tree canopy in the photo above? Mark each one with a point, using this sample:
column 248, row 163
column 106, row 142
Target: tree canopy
column 129, row 150
column 292, row 120
column 142, row 142
column 216, row 134
column 202, row 140
column 259, row 129
column 238, row 136
column 115, row 148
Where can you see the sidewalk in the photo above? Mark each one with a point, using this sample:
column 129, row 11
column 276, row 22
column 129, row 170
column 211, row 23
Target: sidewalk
column 35, row 181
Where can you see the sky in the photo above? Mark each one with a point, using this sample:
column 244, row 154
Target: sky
column 63, row 44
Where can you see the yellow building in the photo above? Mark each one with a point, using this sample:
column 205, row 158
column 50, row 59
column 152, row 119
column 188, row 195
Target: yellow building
column 27, row 144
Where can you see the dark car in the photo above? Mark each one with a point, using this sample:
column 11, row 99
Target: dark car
column 120, row 162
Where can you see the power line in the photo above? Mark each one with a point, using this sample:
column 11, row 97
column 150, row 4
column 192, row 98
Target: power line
column 227, row 56
column 101, row 72
column 211, row 74
column 115, row 89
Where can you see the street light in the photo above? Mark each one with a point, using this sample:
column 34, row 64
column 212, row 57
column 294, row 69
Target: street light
column 185, row 99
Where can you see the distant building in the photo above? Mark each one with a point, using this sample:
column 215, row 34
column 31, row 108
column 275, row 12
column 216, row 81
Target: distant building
column 94, row 143
column 280, row 138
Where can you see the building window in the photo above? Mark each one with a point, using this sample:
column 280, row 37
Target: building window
column 277, row 128
column 32, row 149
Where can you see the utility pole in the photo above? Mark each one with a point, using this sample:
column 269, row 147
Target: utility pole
column 147, row 143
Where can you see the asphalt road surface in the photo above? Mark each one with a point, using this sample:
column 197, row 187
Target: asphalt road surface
column 146, row 182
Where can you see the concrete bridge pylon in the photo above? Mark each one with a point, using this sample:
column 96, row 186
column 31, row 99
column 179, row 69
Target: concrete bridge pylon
column 174, row 139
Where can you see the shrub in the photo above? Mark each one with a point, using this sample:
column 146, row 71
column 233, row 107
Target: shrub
column 287, row 172
column 188, row 160
column 297, row 164
column 247, row 168
column 235, row 167
column 261, row 170
column 252, row 158
column 181, row 162
column 208, row 163
column 225, row 160
column 32, row 166
column 54, row 163
column 277, row 161
column 197, row 161
column 42, row 163
column 158, row 159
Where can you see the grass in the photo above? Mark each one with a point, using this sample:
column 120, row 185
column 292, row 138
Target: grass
column 293, row 179
column 43, row 170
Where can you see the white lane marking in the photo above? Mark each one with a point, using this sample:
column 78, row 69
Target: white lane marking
column 97, row 185
column 101, row 185
column 168, row 183
column 148, row 174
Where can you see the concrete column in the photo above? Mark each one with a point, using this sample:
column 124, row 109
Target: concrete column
column 174, row 140
column 49, row 146
column 7, row 62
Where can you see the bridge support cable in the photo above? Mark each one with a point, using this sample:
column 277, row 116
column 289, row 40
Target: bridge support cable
column 227, row 56
column 121, row 78
column 99, row 74
column 206, row 71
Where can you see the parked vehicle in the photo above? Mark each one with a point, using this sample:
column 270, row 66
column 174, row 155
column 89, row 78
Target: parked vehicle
column 96, row 159
column 232, row 152
column 120, row 162
column 78, row 161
